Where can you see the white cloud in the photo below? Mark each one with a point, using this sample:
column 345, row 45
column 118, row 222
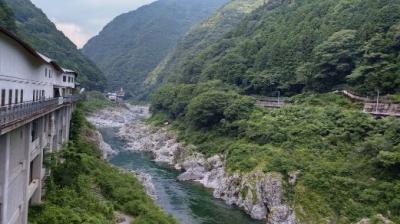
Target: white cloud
column 74, row 32
column 81, row 19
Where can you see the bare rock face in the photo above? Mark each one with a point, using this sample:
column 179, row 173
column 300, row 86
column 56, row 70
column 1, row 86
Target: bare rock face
column 256, row 193
column 282, row 214
column 293, row 177
column 140, row 137
column 380, row 217
column 147, row 182
column 105, row 148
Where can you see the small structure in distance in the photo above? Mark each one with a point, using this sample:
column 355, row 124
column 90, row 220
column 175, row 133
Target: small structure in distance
column 117, row 96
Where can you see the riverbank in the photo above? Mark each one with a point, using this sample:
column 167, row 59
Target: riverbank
column 83, row 188
column 258, row 194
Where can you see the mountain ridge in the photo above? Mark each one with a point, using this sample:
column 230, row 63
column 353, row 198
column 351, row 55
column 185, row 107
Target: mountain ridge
column 295, row 46
column 198, row 37
column 134, row 43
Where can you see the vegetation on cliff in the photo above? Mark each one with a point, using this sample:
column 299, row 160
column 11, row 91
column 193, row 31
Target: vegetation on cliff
column 82, row 188
column 292, row 46
column 199, row 37
column 33, row 26
column 348, row 161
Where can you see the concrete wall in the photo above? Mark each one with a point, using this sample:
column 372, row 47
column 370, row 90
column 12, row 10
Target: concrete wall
column 22, row 152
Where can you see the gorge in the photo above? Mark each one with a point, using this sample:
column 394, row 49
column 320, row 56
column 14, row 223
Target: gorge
column 145, row 149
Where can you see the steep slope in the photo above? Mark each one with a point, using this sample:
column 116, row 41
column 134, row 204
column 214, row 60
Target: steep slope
column 339, row 165
column 199, row 38
column 7, row 19
column 35, row 28
column 133, row 44
column 293, row 46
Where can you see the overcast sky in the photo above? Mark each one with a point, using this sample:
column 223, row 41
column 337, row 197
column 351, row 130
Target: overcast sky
column 82, row 19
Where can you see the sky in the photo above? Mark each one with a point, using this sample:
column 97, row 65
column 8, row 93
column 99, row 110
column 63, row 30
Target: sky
column 80, row 20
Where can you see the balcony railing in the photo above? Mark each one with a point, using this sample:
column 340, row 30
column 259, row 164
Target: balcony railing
column 19, row 112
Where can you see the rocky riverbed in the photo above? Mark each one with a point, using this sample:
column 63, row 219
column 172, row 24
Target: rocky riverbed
column 258, row 194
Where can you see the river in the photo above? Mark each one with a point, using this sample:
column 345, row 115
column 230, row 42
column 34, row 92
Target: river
column 188, row 202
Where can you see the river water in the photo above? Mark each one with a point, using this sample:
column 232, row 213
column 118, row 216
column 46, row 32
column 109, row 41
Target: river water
column 188, row 202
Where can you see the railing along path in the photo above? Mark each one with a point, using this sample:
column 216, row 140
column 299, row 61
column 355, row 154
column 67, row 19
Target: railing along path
column 19, row 112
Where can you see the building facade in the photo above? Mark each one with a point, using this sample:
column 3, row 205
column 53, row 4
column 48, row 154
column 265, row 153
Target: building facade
column 36, row 103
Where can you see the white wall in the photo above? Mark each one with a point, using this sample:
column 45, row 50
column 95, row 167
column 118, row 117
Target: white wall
column 20, row 70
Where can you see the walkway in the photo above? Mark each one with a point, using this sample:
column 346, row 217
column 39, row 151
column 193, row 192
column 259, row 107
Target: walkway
column 374, row 106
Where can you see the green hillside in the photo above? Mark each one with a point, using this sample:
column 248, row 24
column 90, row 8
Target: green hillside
column 35, row 28
column 199, row 37
column 7, row 19
column 349, row 161
column 293, row 46
column 134, row 43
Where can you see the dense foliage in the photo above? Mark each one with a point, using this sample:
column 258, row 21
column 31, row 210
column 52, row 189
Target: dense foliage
column 34, row 27
column 199, row 38
column 7, row 19
column 133, row 44
column 294, row 46
column 349, row 161
column 95, row 101
column 85, row 189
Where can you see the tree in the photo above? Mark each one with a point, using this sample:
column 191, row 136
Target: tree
column 207, row 109
column 379, row 66
column 7, row 19
column 335, row 59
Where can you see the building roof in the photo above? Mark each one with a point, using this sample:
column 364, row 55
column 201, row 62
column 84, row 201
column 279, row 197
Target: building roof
column 36, row 54
column 65, row 70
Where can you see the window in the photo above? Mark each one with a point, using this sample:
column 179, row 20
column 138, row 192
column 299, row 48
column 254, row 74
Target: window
column 64, row 78
column 33, row 95
column 16, row 96
column 45, row 72
column 10, row 93
column 3, row 97
column 37, row 95
column 22, row 96
column 43, row 95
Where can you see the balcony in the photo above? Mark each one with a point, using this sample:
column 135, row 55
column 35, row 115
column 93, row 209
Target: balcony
column 10, row 115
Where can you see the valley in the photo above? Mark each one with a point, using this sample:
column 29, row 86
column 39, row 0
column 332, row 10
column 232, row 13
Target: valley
column 208, row 112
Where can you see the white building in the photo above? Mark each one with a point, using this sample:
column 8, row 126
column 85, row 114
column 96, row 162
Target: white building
column 36, row 103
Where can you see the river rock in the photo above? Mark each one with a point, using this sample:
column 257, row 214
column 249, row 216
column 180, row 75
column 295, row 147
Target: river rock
column 258, row 194
column 147, row 182
column 106, row 150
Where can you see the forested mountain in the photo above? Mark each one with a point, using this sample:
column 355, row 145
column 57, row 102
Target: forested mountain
column 35, row 28
column 199, row 38
column 293, row 46
column 133, row 44
column 7, row 19
column 348, row 162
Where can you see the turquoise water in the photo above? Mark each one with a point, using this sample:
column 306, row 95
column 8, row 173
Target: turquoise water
column 188, row 202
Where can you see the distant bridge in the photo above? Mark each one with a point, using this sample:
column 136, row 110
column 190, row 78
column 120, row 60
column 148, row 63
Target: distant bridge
column 375, row 107
column 379, row 108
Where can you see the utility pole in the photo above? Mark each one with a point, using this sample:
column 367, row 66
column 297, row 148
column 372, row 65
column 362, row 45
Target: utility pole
column 377, row 101
column 279, row 97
